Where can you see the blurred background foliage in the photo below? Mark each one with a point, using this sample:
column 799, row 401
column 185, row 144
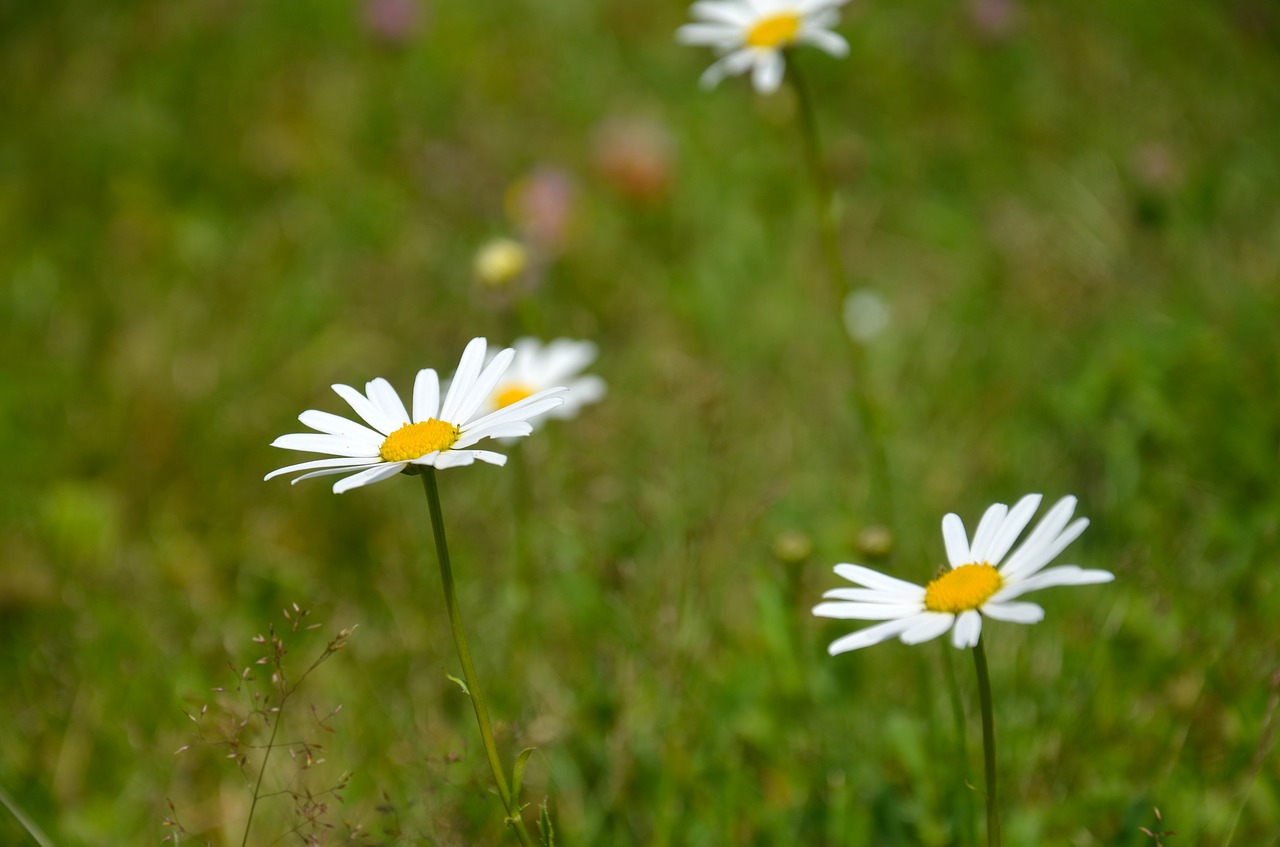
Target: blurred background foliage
column 211, row 210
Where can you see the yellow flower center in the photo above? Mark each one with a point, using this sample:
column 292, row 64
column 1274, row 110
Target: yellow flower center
column 413, row 440
column 512, row 393
column 967, row 587
column 774, row 31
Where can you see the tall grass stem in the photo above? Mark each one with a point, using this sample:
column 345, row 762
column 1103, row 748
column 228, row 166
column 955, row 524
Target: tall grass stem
column 988, row 743
column 824, row 192
column 1265, row 739
column 262, row 772
column 32, row 828
column 511, row 804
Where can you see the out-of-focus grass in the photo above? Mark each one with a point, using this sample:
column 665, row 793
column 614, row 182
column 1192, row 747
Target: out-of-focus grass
column 210, row 211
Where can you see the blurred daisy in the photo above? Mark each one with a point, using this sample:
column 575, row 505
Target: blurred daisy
column 752, row 35
column 975, row 585
column 436, row 435
column 537, row 366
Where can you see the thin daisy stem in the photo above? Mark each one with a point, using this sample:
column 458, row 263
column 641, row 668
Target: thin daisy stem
column 988, row 743
column 464, row 656
column 962, row 740
column 838, row 278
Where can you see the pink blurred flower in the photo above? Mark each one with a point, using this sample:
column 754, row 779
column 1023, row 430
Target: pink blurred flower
column 635, row 156
column 392, row 21
column 995, row 19
column 542, row 206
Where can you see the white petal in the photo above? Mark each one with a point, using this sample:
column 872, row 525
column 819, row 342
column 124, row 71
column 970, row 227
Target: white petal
column 870, row 635
column 1036, row 560
column 929, row 627
column 459, row 458
column 1013, row 612
column 453, row 459
column 584, row 390
column 1042, row 536
column 987, row 529
column 709, row 34
column 385, row 397
column 740, row 60
column 826, row 41
column 483, row 386
column 342, row 465
column 367, row 410
column 332, row 471
column 712, row 76
column 426, row 395
column 729, row 13
column 335, row 425
column 872, row 595
column 1062, row 575
column 524, row 409
column 874, row 579
column 811, row 7
column 768, row 73
column 565, row 359
column 866, row 611
column 955, row 539
column 463, row 378
column 490, row 457
column 335, row 445
column 968, row 629
column 1014, row 524
column 367, row 477
column 510, row 429
column 819, row 19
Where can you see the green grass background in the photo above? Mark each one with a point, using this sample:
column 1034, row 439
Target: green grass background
column 211, row 210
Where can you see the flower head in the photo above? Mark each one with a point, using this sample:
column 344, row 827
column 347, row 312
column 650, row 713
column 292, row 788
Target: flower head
column 500, row 262
column 976, row 585
column 751, row 35
column 435, row 435
column 537, row 366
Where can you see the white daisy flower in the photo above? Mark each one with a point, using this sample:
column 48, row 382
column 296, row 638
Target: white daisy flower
column 537, row 366
column 436, row 435
column 752, row 35
column 975, row 586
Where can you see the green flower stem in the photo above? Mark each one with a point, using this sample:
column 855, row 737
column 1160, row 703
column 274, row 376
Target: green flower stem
column 464, row 656
column 962, row 741
column 864, row 404
column 988, row 744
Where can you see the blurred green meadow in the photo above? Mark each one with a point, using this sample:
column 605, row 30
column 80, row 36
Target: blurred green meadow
column 212, row 210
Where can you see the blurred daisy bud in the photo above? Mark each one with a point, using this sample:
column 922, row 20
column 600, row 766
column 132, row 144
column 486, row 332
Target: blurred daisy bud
column 792, row 547
column 875, row 541
column 500, row 262
column 542, row 206
column 866, row 314
column 634, row 156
